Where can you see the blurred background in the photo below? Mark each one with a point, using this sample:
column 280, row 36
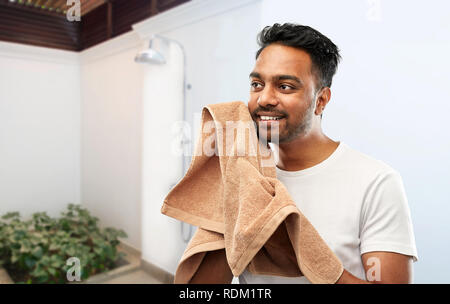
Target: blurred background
column 82, row 122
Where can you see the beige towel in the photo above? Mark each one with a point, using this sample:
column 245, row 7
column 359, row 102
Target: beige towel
column 231, row 193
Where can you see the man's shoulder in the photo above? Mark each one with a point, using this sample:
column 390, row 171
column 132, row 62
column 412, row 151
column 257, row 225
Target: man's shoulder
column 365, row 163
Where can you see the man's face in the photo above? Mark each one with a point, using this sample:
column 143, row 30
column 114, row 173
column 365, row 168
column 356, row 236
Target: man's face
column 282, row 85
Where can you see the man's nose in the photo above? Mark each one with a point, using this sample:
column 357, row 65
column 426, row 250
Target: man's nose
column 267, row 97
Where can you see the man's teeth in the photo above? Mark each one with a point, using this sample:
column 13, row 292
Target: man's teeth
column 270, row 118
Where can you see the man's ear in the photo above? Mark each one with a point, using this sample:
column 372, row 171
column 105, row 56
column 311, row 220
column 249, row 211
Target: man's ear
column 323, row 97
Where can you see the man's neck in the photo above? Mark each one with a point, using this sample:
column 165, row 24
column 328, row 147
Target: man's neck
column 305, row 152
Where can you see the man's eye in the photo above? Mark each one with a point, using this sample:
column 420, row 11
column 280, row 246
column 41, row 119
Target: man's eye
column 284, row 85
column 254, row 83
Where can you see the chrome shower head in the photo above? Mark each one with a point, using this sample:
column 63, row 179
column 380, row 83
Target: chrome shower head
column 150, row 56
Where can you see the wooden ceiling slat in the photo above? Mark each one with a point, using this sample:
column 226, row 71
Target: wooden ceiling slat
column 39, row 28
column 127, row 13
column 51, row 5
column 37, row 11
column 89, row 5
column 164, row 5
column 49, row 26
column 154, row 7
column 55, row 6
column 29, row 27
column 35, row 18
column 85, row 5
column 29, row 34
column 40, row 42
column 34, row 35
column 61, row 5
column 46, row 3
column 133, row 17
column 27, row 22
column 37, row 5
column 47, row 35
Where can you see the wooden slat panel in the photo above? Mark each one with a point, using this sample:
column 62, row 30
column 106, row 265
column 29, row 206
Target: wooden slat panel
column 41, row 21
column 37, row 42
column 27, row 36
column 126, row 13
column 52, row 32
column 93, row 27
column 30, row 8
column 61, row 4
column 153, row 7
column 164, row 5
column 38, row 21
column 89, row 5
column 47, row 3
column 100, row 20
column 86, row 5
column 24, row 26
column 109, row 20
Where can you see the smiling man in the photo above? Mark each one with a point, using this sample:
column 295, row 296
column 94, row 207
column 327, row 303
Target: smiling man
column 356, row 203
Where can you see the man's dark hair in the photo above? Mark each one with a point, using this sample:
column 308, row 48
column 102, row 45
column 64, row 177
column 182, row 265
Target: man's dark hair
column 324, row 53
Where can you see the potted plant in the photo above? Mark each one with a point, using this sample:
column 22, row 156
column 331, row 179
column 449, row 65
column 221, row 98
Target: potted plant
column 44, row 249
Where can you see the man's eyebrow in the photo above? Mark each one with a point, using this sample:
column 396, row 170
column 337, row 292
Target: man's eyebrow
column 254, row 74
column 277, row 77
column 288, row 77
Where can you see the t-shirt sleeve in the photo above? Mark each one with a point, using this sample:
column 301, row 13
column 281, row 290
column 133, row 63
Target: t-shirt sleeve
column 386, row 219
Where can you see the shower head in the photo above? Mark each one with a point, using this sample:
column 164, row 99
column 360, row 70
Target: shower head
column 150, row 56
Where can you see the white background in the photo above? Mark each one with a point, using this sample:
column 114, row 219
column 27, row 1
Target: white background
column 390, row 99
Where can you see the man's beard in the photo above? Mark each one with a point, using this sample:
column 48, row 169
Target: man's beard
column 290, row 131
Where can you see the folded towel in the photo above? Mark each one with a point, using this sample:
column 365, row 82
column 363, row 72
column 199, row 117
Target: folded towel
column 231, row 193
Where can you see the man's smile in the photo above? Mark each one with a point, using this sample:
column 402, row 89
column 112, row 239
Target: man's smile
column 269, row 117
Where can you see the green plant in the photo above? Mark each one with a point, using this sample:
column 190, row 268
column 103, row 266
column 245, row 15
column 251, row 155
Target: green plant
column 36, row 250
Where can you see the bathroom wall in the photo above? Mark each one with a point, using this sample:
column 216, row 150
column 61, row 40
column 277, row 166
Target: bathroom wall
column 39, row 129
column 128, row 110
column 111, row 100
column 70, row 131
column 72, row 123
column 219, row 59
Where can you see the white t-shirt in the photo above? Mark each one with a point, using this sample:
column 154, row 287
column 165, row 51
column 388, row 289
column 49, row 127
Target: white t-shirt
column 356, row 203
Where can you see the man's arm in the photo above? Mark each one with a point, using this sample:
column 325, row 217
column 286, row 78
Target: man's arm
column 214, row 269
column 382, row 268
